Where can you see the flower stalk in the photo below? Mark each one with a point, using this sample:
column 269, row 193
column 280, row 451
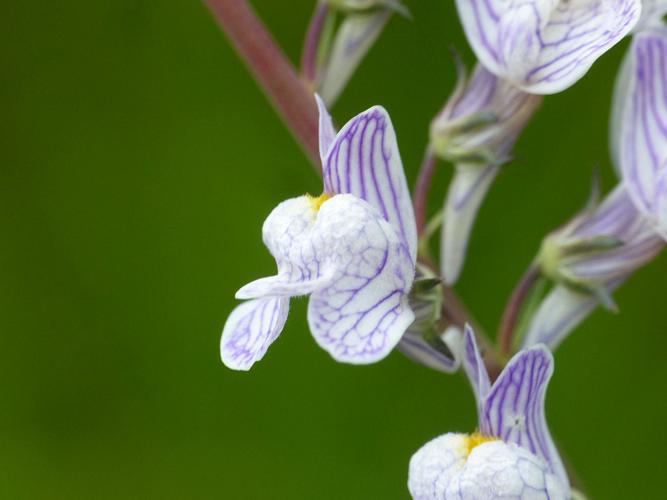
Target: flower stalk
column 515, row 305
column 272, row 70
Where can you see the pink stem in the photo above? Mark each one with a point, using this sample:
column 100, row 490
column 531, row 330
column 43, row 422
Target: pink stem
column 424, row 179
column 514, row 307
column 272, row 70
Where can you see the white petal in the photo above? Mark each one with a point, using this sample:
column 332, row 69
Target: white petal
column 287, row 234
column 364, row 312
column 415, row 347
column 559, row 313
column 473, row 364
column 464, row 198
column 250, row 329
column 514, row 408
column 452, row 467
column 497, row 470
column 545, row 46
column 364, row 161
column 662, row 203
column 354, row 38
column 642, row 101
column 327, row 131
column 281, row 286
column 435, row 464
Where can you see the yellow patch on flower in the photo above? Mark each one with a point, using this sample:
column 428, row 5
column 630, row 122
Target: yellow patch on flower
column 317, row 201
column 476, row 439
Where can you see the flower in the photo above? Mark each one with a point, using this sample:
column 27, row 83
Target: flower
column 513, row 454
column 587, row 259
column 639, row 126
column 352, row 249
column 544, row 46
column 476, row 130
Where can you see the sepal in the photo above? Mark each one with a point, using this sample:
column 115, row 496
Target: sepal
column 588, row 259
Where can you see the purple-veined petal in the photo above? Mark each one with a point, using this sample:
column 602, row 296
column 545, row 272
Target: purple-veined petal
column 624, row 81
column 662, row 203
column 473, row 364
column 435, row 464
column 360, row 317
column 617, row 217
column 544, row 46
column 415, row 347
column 560, row 312
column 281, row 286
column 497, row 470
column 464, row 198
column 454, row 466
column 641, row 102
column 250, row 329
column 364, row 161
column 287, row 234
column 514, row 408
column 327, row 131
column 354, row 38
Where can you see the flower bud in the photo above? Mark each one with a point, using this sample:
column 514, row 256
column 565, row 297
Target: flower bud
column 361, row 26
column 599, row 246
column 588, row 259
column 476, row 130
column 482, row 119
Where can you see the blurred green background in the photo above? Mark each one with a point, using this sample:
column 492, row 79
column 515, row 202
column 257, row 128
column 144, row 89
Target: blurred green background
column 137, row 162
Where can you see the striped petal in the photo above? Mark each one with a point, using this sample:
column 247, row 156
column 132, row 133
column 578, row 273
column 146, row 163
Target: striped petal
column 560, row 312
column 544, row 46
column 514, row 408
column 439, row 354
column 662, row 203
column 473, row 364
column 250, row 329
column 361, row 316
column 327, row 131
column 641, row 104
column 454, row 466
column 364, row 161
column 354, row 38
column 287, row 234
column 465, row 195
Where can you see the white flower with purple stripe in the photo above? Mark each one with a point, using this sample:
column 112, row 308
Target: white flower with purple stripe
column 352, row 249
column 544, row 46
column 513, row 455
column 639, row 128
